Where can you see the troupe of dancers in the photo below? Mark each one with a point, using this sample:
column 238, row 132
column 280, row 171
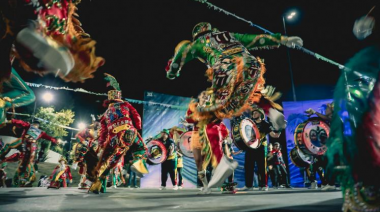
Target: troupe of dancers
column 238, row 92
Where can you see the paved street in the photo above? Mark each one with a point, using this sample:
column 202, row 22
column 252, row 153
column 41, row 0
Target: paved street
column 123, row 199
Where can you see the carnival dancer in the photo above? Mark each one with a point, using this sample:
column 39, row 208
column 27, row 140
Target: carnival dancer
column 206, row 144
column 27, row 145
column 47, row 37
column 169, row 166
column 353, row 145
column 259, row 155
column 85, row 151
column 236, row 75
column 60, row 175
column 118, row 133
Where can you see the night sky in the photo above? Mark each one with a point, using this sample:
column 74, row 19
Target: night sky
column 137, row 38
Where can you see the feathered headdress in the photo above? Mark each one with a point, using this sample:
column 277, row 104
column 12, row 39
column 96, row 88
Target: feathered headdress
column 116, row 93
column 62, row 159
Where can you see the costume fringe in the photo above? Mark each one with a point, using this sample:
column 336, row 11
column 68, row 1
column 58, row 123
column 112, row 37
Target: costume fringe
column 81, row 46
column 83, row 50
column 207, row 154
column 253, row 98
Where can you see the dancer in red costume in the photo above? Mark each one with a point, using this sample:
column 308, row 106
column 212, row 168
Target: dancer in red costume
column 118, row 133
column 85, row 151
column 27, row 145
column 60, row 174
column 47, row 37
column 206, row 144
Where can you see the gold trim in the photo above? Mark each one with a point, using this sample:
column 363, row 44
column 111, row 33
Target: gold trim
column 121, row 128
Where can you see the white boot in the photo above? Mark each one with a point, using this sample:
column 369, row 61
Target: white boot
column 51, row 56
column 224, row 169
column 205, row 189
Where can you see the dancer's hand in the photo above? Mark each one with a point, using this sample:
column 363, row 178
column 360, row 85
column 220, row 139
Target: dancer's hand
column 170, row 75
column 310, row 111
column 3, row 101
column 292, row 41
column 59, row 141
column 7, row 99
column 268, row 91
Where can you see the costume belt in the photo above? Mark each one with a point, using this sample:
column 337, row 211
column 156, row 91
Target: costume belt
column 119, row 125
column 231, row 51
column 29, row 140
column 121, row 128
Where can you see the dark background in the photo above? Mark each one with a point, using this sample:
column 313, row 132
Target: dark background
column 136, row 38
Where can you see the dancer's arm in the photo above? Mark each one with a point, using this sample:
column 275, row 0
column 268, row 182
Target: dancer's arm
column 18, row 91
column 79, row 135
column 184, row 52
column 103, row 132
column 326, row 117
column 20, row 124
column 135, row 116
column 84, row 134
column 188, row 117
column 251, row 41
column 265, row 41
column 49, row 138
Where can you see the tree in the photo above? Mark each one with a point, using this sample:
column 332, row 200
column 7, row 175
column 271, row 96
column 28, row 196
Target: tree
column 54, row 126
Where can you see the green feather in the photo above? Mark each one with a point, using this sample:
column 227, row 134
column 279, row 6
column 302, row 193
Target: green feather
column 112, row 80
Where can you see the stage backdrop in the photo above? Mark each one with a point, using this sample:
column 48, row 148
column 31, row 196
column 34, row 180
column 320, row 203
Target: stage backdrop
column 294, row 114
column 156, row 118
